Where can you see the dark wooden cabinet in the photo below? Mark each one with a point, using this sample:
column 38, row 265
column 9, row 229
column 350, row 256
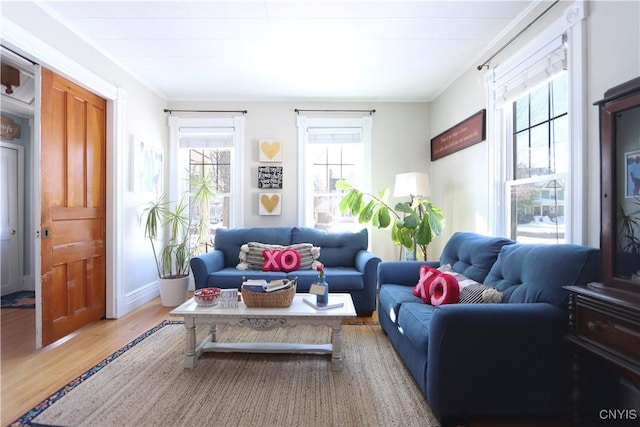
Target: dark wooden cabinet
column 604, row 320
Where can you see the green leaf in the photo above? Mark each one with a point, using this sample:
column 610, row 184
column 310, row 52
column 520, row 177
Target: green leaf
column 367, row 213
column 343, row 185
column 384, row 217
column 404, row 208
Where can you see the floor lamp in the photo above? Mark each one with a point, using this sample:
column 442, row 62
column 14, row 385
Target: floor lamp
column 412, row 185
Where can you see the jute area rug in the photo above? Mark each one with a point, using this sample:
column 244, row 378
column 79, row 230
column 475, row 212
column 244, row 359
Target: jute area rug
column 145, row 384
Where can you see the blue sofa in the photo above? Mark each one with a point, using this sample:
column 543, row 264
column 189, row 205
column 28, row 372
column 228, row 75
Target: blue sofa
column 349, row 266
column 479, row 361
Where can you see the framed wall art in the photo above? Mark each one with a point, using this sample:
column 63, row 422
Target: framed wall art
column 146, row 167
column 270, row 177
column 270, row 150
column 632, row 161
column 269, row 204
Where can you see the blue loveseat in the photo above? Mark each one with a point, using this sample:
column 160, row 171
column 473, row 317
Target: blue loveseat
column 488, row 360
column 349, row 266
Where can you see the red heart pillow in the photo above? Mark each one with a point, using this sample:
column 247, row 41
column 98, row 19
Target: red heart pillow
column 444, row 289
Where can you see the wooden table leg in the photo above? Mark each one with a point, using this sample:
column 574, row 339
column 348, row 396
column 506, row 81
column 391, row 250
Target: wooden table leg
column 191, row 358
column 336, row 342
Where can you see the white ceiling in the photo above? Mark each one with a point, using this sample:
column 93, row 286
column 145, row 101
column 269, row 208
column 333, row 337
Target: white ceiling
column 293, row 50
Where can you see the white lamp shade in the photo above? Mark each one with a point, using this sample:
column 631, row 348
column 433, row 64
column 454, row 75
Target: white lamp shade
column 412, row 184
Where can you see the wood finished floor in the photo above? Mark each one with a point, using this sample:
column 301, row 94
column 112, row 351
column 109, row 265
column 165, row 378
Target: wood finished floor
column 28, row 376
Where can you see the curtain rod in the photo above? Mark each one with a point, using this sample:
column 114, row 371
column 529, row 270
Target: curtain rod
column 486, row 63
column 297, row 110
column 206, row 111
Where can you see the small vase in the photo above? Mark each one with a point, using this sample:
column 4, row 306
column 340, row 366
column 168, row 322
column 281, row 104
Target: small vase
column 323, row 300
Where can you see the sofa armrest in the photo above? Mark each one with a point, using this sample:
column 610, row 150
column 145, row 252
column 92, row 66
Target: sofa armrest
column 367, row 263
column 498, row 359
column 203, row 265
column 402, row 272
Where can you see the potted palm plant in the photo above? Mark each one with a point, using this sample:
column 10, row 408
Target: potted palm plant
column 171, row 251
column 177, row 231
column 413, row 225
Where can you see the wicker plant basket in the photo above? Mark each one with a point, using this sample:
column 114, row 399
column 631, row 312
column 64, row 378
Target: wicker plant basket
column 276, row 299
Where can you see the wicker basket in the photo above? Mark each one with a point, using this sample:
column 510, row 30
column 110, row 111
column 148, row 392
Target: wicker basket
column 276, row 299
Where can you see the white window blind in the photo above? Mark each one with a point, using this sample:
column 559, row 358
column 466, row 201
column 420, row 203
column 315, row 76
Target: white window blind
column 513, row 80
column 327, row 135
column 206, row 137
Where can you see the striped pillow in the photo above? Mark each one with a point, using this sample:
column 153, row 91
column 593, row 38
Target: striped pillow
column 479, row 294
column 251, row 255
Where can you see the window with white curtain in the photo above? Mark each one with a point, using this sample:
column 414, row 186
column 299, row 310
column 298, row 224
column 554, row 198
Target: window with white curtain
column 331, row 149
column 536, row 125
column 210, row 147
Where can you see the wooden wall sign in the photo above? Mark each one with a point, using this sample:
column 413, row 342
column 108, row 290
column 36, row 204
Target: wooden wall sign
column 466, row 133
column 9, row 129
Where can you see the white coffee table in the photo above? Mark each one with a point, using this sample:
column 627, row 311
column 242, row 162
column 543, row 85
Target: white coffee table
column 299, row 313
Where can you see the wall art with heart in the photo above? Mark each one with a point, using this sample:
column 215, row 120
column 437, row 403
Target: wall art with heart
column 270, row 150
column 270, row 204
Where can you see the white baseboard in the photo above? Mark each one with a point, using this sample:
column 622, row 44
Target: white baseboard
column 140, row 297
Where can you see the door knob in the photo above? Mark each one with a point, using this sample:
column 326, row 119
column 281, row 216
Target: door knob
column 12, row 232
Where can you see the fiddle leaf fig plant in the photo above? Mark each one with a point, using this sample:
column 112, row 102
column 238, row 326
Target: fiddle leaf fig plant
column 416, row 222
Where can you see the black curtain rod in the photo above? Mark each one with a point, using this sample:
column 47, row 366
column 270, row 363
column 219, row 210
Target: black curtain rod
column 206, row 111
column 486, row 63
column 339, row 111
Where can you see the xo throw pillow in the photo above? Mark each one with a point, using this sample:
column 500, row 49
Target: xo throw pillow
column 280, row 260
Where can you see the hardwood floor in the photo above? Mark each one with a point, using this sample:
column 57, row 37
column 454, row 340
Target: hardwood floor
column 29, row 376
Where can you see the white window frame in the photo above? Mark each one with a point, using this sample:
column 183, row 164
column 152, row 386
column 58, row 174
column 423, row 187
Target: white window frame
column 176, row 170
column 305, row 189
column 573, row 24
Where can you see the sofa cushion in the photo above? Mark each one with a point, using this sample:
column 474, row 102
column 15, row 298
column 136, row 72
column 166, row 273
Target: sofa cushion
column 337, row 249
column 472, row 254
column 522, row 272
column 340, row 279
column 252, row 258
column 413, row 321
column 392, row 296
column 230, row 240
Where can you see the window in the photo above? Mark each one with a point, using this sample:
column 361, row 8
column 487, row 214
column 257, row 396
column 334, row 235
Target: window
column 211, row 149
column 331, row 150
column 536, row 123
column 540, row 162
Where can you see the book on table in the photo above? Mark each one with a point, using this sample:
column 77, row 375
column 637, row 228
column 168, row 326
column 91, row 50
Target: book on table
column 334, row 302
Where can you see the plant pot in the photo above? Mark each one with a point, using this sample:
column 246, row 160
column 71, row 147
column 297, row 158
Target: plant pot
column 173, row 292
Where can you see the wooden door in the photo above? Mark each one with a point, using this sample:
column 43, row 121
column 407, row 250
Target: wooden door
column 73, row 207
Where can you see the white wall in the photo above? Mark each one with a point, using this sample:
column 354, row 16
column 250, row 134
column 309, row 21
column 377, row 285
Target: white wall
column 400, row 144
column 460, row 180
